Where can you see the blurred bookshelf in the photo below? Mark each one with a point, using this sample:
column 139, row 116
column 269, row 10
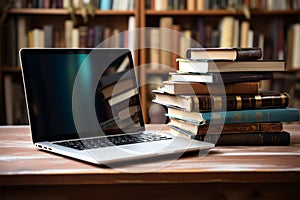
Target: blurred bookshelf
column 270, row 24
column 60, row 24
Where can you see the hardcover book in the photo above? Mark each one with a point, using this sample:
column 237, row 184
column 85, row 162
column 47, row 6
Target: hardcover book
column 254, row 139
column 197, row 129
column 205, row 66
column 197, row 103
column 240, row 139
column 202, row 88
column 236, row 117
column 224, row 53
column 226, row 77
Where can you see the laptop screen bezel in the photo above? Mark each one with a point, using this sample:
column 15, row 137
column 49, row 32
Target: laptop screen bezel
column 36, row 136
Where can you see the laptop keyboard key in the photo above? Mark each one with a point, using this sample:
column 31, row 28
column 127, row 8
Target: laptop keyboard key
column 94, row 143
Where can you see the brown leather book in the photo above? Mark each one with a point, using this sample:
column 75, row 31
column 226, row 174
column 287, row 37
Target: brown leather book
column 226, row 128
column 196, row 103
column 202, row 88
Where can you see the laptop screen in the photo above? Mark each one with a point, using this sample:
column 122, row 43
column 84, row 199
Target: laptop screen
column 75, row 93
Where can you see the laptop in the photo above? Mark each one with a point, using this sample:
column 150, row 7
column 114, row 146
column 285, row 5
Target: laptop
column 85, row 104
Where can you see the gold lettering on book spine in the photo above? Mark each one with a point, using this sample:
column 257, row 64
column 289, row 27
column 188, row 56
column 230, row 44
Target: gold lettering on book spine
column 217, row 102
column 258, row 116
column 283, row 98
column 238, row 102
column 258, row 101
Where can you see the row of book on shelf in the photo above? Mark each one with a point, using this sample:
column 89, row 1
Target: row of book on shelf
column 222, row 4
column 97, row 4
column 70, row 37
column 215, row 97
column 231, row 32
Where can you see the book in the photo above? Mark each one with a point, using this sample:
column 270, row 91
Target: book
column 105, row 5
column 293, row 59
column 48, row 36
column 226, row 77
column 205, row 66
column 196, row 103
column 202, row 88
column 245, row 27
column 265, row 139
column 226, row 28
column 165, row 25
column 197, row 129
column 239, row 139
column 155, row 46
column 224, row 53
column 237, row 116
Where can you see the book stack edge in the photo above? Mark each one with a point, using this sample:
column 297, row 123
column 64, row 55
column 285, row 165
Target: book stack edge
column 215, row 97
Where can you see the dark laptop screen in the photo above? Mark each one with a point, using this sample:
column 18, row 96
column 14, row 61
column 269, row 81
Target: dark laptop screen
column 80, row 92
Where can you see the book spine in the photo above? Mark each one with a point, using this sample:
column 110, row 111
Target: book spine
column 248, row 53
column 267, row 139
column 251, row 127
column 196, row 129
column 241, row 77
column 252, row 116
column 240, row 102
column 213, row 89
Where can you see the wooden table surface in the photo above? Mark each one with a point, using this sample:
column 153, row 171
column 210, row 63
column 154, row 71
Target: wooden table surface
column 267, row 172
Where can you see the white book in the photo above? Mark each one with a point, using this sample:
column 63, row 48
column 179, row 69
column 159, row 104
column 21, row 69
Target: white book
column 38, row 38
column 131, row 34
column 66, row 3
column 293, row 47
column 131, row 5
column 124, row 5
column 245, row 26
column 226, row 30
column 154, row 47
column 161, row 5
column 68, row 33
column 250, row 38
column 75, row 38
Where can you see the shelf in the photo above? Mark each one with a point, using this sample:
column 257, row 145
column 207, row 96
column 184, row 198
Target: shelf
column 220, row 12
column 35, row 11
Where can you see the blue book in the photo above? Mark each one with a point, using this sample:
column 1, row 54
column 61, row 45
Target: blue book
column 105, row 5
column 235, row 117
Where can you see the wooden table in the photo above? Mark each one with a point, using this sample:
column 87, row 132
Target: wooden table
column 233, row 172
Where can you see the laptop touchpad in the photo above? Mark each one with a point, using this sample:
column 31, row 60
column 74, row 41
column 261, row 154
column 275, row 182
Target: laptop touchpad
column 145, row 148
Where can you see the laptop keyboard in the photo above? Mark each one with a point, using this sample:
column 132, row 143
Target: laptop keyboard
column 99, row 142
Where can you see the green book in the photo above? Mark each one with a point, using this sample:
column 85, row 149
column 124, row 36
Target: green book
column 238, row 116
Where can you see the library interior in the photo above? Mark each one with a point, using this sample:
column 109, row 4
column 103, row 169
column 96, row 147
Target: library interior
column 225, row 72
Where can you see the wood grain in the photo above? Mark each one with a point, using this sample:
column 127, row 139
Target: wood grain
column 24, row 168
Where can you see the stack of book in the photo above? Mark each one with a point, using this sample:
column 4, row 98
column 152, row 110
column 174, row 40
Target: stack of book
column 215, row 97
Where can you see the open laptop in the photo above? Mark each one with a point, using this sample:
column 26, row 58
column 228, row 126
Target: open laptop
column 85, row 104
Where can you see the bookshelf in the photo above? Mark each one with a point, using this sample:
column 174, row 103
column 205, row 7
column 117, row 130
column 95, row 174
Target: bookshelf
column 112, row 20
column 148, row 16
column 272, row 22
